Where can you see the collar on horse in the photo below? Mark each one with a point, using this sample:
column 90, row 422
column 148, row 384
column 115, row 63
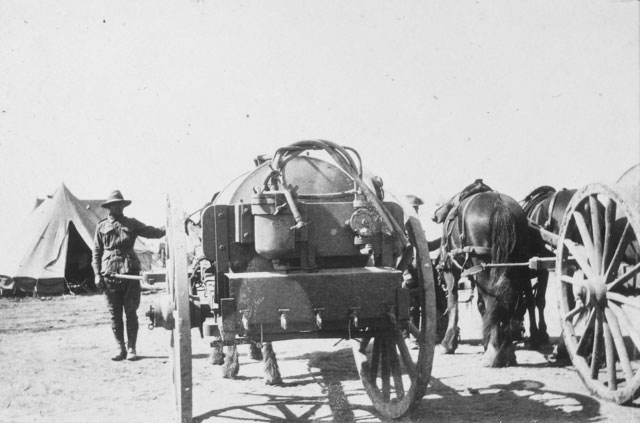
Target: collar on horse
column 535, row 197
column 534, row 200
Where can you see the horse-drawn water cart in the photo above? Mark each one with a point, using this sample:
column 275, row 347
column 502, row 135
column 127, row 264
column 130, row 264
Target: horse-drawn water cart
column 307, row 246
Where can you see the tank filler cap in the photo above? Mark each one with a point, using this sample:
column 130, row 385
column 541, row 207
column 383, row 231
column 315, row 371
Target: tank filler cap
column 365, row 222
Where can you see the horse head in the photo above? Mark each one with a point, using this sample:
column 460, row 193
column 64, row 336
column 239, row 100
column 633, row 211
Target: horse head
column 442, row 212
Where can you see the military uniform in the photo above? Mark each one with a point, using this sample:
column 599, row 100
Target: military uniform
column 113, row 254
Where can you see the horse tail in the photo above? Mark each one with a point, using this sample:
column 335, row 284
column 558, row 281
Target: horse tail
column 503, row 236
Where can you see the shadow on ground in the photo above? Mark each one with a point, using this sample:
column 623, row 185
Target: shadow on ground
column 517, row 401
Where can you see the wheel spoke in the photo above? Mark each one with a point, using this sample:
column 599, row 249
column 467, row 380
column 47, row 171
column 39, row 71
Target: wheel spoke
column 413, row 330
column 595, row 351
column 609, row 220
column 620, row 298
column 585, row 235
column 578, row 254
column 618, row 340
column 596, row 230
column 394, row 380
column 624, row 321
column 385, row 371
column 395, row 368
column 634, row 247
column 584, row 337
column 622, row 279
column 619, row 253
column 572, row 280
column 611, row 363
column 406, row 356
column 578, row 308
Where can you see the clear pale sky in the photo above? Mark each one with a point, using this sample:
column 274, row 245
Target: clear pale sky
column 154, row 96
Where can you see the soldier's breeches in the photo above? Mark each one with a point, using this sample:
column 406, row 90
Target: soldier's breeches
column 123, row 296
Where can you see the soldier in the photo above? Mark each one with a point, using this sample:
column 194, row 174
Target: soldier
column 113, row 255
column 416, row 202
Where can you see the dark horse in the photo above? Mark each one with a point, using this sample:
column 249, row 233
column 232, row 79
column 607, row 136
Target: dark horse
column 487, row 227
column 545, row 208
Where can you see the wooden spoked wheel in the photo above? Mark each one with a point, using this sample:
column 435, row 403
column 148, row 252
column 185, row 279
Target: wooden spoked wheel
column 178, row 290
column 597, row 269
column 395, row 371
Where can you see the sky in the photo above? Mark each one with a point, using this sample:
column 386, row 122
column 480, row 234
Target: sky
column 178, row 96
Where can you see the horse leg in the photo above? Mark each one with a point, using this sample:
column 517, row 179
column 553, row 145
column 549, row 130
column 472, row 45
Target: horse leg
column 441, row 307
column 231, row 364
column 531, row 301
column 450, row 340
column 271, row 370
column 217, row 356
column 541, row 302
column 499, row 349
column 254, row 351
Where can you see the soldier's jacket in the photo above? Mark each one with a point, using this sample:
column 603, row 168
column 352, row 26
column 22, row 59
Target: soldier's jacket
column 113, row 245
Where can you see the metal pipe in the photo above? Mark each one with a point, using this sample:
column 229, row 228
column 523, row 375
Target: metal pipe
column 294, row 209
column 128, row 277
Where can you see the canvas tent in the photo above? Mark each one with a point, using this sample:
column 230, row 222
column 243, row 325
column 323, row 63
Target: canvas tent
column 56, row 245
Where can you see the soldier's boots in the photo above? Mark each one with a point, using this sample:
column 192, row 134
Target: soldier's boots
column 121, row 354
column 131, row 354
column 132, row 336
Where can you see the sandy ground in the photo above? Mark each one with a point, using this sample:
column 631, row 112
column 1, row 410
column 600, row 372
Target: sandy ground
column 56, row 368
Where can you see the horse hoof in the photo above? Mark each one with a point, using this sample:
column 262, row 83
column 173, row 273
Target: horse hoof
column 544, row 339
column 271, row 370
column 274, row 382
column 560, row 352
column 531, row 345
column 254, row 352
column 216, row 358
column 505, row 357
column 231, row 365
column 444, row 350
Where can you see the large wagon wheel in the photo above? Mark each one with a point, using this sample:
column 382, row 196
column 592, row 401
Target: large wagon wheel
column 599, row 297
column 178, row 290
column 394, row 376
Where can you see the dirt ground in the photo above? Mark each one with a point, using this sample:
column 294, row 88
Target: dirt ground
column 56, row 368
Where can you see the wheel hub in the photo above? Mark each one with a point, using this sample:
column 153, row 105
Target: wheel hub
column 596, row 292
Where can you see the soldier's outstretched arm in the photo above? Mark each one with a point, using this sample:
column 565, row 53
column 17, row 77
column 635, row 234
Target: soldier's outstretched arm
column 146, row 231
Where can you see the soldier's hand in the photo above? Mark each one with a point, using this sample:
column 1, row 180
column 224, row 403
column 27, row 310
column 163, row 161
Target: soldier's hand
column 407, row 279
column 99, row 281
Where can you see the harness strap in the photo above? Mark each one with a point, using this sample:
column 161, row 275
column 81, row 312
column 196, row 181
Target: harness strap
column 448, row 249
column 461, row 216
